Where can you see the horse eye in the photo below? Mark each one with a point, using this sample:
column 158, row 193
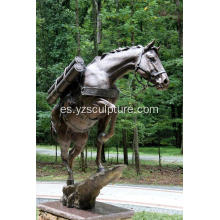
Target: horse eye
column 152, row 59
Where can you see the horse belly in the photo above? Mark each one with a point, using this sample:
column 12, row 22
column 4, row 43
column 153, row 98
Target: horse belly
column 79, row 123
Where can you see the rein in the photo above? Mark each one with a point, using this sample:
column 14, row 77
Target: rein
column 137, row 67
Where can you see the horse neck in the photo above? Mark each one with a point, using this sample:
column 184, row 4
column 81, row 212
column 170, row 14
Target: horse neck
column 121, row 63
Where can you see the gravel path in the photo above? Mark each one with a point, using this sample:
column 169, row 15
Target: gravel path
column 137, row 197
column 168, row 159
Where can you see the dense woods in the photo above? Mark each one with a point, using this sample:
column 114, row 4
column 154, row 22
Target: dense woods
column 66, row 28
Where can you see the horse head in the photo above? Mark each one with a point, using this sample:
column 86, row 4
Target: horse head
column 150, row 67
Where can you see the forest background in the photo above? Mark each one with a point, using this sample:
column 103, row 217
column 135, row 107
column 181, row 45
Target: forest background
column 67, row 28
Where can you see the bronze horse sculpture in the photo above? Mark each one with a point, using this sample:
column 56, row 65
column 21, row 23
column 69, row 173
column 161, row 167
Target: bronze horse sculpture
column 101, row 74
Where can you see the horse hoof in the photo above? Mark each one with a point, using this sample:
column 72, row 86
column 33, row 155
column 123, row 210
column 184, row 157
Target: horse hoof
column 101, row 169
column 70, row 182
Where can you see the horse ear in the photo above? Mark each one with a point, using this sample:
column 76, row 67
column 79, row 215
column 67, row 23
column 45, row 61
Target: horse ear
column 149, row 45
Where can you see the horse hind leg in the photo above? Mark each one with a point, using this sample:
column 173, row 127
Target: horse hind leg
column 64, row 156
column 60, row 130
column 79, row 140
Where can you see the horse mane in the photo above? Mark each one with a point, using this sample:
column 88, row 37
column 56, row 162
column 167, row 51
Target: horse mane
column 95, row 59
column 120, row 49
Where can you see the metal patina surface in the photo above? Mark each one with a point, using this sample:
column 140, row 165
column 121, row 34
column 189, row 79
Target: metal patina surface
column 106, row 93
column 71, row 72
column 83, row 195
column 96, row 87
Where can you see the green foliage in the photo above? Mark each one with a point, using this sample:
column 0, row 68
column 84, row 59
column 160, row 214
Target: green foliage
column 43, row 127
column 42, row 104
column 146, row 20
column 55, row 29
column 43, row 119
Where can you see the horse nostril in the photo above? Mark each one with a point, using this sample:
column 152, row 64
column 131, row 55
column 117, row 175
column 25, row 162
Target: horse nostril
column 165, row 81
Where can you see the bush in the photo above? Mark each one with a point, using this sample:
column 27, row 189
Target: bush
column 43, row 119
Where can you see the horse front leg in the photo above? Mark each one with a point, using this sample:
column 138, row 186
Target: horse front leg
column 60, row 130
column 65, row 159
column 98, row 156
column 102, row 137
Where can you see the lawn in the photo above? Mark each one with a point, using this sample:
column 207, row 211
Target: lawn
column 165, row 150
column 151, row 173
column 148, row 216
column 155, row 216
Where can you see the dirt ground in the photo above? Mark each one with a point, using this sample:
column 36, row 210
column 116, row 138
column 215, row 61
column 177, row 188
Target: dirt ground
column 150, row 174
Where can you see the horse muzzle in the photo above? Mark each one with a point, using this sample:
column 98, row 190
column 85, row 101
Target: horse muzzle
column 162, row 81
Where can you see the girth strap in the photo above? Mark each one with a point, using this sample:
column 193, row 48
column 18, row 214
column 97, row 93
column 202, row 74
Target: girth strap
column 107, row 93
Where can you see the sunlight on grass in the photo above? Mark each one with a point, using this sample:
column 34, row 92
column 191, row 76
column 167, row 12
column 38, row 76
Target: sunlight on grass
column 165, row 150
column 151, row 173
column 155, row 216
column 146, row 216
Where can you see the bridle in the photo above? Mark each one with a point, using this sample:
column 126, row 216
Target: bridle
column 137, row 67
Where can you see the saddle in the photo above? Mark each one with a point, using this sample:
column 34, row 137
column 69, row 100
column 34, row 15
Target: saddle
column 73, row 75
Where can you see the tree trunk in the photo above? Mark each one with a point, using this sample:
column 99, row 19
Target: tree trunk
column 133, row 152
column 86, row 164
column 77, row 27
column 159, row 155
column 179, row 23
column 103, row 154
column 182, row 147
column 91, row 153
column 56, row 153
column 136, row 147
column 125, row 150
column 83, row 162
column 173, row 116
column 179, row 127
column 97, row 24
column 117, row 21
column 132, row 13
column 94, row 8
column 117, row 152
column 135, row 138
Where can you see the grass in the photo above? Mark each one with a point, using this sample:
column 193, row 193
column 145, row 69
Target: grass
column 147, row 216
column 155, row 216
column 37, row 213
column 165, row 150
column 151, row 173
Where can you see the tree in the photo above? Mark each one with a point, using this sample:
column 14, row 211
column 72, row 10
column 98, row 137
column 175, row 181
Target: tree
column 77, row 26
column 83, row 158
column 125, row 150
column 97, row 24
column 103, row 154
column 136, row 147
column 88, row 28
